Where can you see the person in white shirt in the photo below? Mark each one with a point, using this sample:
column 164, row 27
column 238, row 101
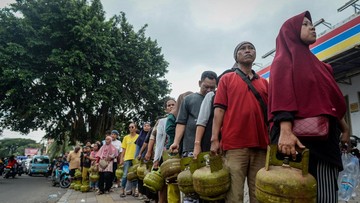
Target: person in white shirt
column 117, row 144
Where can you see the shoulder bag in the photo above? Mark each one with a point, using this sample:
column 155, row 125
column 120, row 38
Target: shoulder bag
column 103, row 163
column 312, row 128
column 255, row 92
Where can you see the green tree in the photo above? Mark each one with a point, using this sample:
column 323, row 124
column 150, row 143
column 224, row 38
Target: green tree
column 16, row 146
column 65, row 69
column 59, row 148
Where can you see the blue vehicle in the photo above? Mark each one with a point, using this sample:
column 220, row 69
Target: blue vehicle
column 61, row 175
column 39, row 165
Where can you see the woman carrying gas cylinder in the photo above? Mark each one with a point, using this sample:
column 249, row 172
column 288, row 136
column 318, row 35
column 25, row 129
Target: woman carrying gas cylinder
column 301, row 86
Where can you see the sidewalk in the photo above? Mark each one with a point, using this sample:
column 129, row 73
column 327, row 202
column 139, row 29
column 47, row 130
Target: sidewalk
column 72, row 196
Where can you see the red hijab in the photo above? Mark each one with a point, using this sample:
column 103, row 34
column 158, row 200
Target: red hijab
column 299, row 81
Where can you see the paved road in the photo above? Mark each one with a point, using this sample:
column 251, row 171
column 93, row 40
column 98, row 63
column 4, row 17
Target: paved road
column 27, row 189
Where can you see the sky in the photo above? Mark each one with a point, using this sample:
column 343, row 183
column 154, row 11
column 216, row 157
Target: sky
column 200, row 35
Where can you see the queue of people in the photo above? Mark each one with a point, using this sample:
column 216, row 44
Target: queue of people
column 236, row 115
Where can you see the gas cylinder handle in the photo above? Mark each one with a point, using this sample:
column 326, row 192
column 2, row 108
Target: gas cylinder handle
column 301, row 163
column 207, row 160
column 286, row 162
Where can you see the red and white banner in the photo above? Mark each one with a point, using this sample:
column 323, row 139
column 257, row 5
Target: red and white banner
column 31, row 151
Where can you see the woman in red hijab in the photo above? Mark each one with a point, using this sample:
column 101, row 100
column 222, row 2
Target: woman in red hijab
column 301, row 86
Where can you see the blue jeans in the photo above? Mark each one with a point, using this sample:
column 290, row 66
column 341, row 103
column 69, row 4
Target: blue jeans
column 138, row 148
column 137, row 151
column 94, row 184
column 131, row 184
column 127, row 165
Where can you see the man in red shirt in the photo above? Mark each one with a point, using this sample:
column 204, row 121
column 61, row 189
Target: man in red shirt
column 239, row 116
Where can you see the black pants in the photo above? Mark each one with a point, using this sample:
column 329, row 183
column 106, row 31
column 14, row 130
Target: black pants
column 72, row 172
column 141, row 187
column 105, row 181
column 115, row 165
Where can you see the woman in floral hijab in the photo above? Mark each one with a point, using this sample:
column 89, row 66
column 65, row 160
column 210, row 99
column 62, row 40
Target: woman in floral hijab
column 105, row 157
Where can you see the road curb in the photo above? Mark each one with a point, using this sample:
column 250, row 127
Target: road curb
column 65, row 197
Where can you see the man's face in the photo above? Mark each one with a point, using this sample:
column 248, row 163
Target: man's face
column 113, row 136
column 207, row 85
column 246, row 54
column 147, row 127
column 169, row 106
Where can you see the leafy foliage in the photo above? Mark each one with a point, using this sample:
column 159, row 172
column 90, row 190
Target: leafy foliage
column 16, row 146
column 65, row 69
column 57, row 149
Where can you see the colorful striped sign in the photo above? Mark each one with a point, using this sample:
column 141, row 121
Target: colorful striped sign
column 336, row 41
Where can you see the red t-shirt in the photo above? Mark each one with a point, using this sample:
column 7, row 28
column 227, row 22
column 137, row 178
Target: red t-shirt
column 243, row 124
column 12, row 163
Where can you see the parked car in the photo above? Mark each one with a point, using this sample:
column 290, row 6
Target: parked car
column 39, row 165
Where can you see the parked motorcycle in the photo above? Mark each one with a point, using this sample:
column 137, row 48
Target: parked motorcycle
column 61, row 176
column 9, row 172
column 19, row 169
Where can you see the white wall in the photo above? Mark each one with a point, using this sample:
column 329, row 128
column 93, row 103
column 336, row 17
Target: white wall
column 352, row 92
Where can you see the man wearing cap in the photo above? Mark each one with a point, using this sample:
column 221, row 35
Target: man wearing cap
column 117, row 145
column 239, row 116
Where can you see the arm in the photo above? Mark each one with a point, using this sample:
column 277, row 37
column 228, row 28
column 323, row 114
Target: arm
column 205, row 111
column 150, row 149
column 143, row 147
column 151, row 142
column 345, row 133
column 160, row 141
column 287, row 140
column 170, row 129
column 217, row 123
column 122, row 155
column 200, row 130
column 92, row 158
column 119, row 157
column 181, row 121
column 179, row 133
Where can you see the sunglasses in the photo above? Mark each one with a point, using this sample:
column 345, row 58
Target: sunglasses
column 131, row 127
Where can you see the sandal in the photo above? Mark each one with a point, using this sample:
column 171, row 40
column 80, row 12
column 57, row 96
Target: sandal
column 123, row 195
column 99, row 192
column 136, row 194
